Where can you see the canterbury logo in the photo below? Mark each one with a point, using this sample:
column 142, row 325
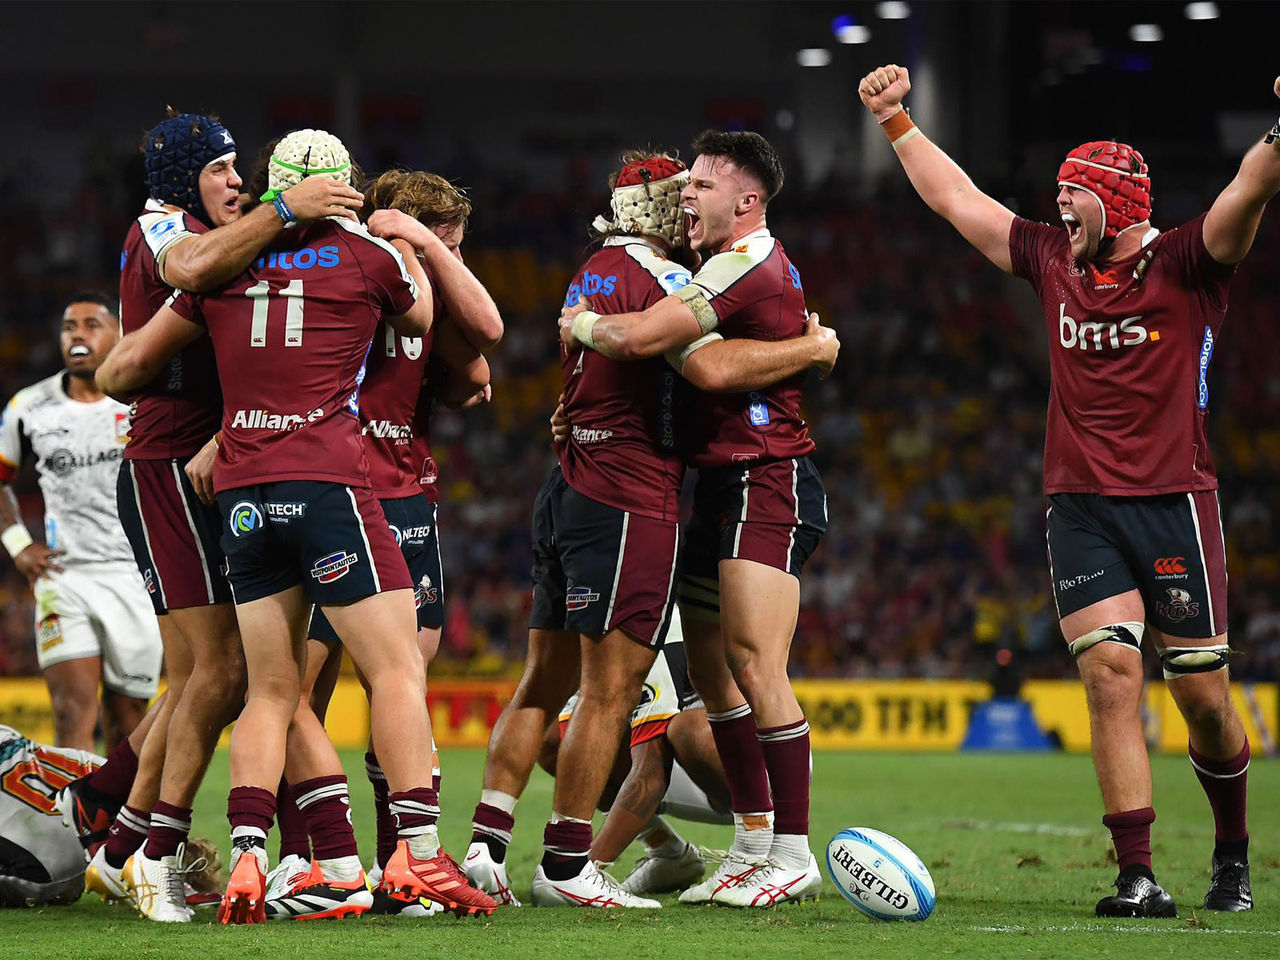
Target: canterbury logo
column 1168, row 565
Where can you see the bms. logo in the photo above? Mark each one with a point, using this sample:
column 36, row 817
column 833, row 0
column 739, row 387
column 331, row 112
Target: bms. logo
column 245, row 517
column 1092, row 335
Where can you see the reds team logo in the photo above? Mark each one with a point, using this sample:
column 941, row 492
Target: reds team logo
column 1179, row 607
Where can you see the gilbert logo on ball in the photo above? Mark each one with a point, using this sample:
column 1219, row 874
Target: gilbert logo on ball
column 880, row 875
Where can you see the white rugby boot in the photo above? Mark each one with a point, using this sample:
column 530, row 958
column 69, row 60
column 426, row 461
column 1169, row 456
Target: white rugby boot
column 590, row 888
column 485, row 873
column 733, row 870
column 654, row 874
column 106, row 881
column 158, row 889
column 773, row 884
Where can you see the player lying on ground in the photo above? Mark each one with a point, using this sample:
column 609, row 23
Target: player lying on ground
column 759, row 507
column 605, row 538
column 1134, row 525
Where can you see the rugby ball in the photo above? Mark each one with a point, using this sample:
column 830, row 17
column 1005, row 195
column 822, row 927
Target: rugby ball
column 880, row 875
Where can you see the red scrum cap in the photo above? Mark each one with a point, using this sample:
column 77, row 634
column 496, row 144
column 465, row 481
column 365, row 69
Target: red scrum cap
column 1116, row 176
column 646, row 199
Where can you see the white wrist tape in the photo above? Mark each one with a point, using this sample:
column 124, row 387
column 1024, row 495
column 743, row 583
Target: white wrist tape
column 583, row 324
column 16, row 539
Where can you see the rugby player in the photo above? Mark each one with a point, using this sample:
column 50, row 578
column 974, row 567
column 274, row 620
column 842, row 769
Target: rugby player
column 93, row 619
column 396, row 400
column 605, row 538
column 759, row 510
column 302, row 525
column 1134, row 525
column 190, row 236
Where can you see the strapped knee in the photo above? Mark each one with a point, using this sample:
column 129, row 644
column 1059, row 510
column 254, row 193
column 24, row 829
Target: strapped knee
column 1127, row 634
column 1184, row 661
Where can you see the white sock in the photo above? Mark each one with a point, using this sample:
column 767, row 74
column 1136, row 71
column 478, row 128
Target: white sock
column 503, row 801
column 752, row 844
column 341, row 869
column 791, row 850
column 669, row 848
column 425, row 845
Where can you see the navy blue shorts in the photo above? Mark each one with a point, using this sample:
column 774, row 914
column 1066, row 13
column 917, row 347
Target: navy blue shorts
column 1168, row 547
column 412, row 521
column 327, row 537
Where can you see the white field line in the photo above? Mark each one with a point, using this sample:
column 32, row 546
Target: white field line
column 1048, row 829
column 1108, row 928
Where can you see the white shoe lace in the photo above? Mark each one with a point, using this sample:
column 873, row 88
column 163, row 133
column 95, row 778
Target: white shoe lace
column 173, row 879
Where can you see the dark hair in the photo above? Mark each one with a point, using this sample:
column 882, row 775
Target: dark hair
column 110, row 303
column 747, row 151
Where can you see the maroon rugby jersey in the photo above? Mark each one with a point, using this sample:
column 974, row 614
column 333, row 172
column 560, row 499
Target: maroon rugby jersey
column 177, row 413
column 291, row 335
column 622, row 450
column 392, row 415
column 750, row 291
column 1129, row 350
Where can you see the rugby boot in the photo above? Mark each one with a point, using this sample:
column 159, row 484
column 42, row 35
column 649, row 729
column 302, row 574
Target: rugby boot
column 487, row 874
column 87, row 811
column 1229, row 888
column 653, row 874
column 773, row 884
column 592, row 887
column 158, row 889
column 733, row 870
column 1136, row 896
column 312, row 897
column 408, row 879
column 287, row 874
column 106, row 881
column 246, row 898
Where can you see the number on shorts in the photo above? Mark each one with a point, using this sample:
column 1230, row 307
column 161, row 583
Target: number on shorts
column 260, row 293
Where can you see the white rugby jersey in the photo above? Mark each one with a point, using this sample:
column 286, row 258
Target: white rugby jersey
column 31, row 774
column 78, row 449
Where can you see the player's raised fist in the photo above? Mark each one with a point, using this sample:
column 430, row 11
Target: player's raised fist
column 883, row 88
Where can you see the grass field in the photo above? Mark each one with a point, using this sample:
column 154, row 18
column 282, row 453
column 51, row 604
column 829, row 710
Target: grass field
column 1014, row 843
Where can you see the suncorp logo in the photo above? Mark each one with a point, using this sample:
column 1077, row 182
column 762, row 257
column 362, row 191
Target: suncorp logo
column 279, row 422
column 1088, row 334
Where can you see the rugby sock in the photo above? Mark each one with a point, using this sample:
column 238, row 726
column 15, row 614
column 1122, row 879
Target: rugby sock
column 326, row 805
column 786, row 757
column 170, row 826
column 128, row 833
column 416, row 812
column 1131, row 834
column 385, row 823
column 661, row 839
column 1225, row 784
column 250, row 811
column 493, row 822
column 565, row 845
column 734, row 732
column 292, row 824
column 113, row 780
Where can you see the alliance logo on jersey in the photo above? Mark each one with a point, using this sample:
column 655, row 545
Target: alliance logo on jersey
column 1179, row 607
column 386, row 430
column 333, row 567
column 244, row 518
column 279, row 422
column 589, row 435
column 579, row 598
column 425, row 593
column 1088, row 334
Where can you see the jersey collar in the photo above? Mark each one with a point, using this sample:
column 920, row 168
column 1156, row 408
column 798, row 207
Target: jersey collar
column 622, row 241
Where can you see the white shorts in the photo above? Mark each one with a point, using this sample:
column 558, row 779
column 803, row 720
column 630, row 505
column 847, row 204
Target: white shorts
column 100, row 610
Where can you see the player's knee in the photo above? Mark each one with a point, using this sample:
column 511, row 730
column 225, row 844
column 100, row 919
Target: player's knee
column 1112, row 679
column 74, row 707
column 755, row 672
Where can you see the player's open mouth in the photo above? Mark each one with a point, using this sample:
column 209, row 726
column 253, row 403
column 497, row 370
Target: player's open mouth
column 691, row 223
column 79, row 350
column 1074, row 226
column 233, row 204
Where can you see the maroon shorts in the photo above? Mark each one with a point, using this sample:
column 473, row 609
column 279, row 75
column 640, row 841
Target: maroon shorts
column 597, row 568
column 773, row 513
column 173, row 535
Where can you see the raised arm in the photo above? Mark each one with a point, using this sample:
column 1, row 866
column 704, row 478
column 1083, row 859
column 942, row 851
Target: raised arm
column 1233, row 219
column 208, row 260
column 140, row 356
column 941, row 183
column 668, row 324
column 465, row 298
column 716, row 365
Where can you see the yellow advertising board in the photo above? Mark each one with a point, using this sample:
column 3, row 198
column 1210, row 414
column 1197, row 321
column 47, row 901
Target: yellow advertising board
column 843, row 714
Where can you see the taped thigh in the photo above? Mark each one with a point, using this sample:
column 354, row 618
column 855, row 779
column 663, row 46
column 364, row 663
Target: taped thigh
column 1127, row 634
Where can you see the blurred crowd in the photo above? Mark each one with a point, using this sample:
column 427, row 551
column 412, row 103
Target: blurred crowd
column 930, row 431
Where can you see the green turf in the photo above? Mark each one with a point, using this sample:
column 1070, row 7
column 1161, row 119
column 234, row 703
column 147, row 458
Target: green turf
column 1014, row 843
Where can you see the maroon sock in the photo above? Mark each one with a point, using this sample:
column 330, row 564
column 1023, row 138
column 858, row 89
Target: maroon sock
column 1225, row 784
column 170, row 826
column 292, row 824
column 415, row 811
column 128, row 833
column 492, row 827
column 743, row 760
column 385, row 823
column 114, row 779
column 786, row 757
column 326, row 804
column 250, row 811
column 565, row 845
column 1131, row 834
